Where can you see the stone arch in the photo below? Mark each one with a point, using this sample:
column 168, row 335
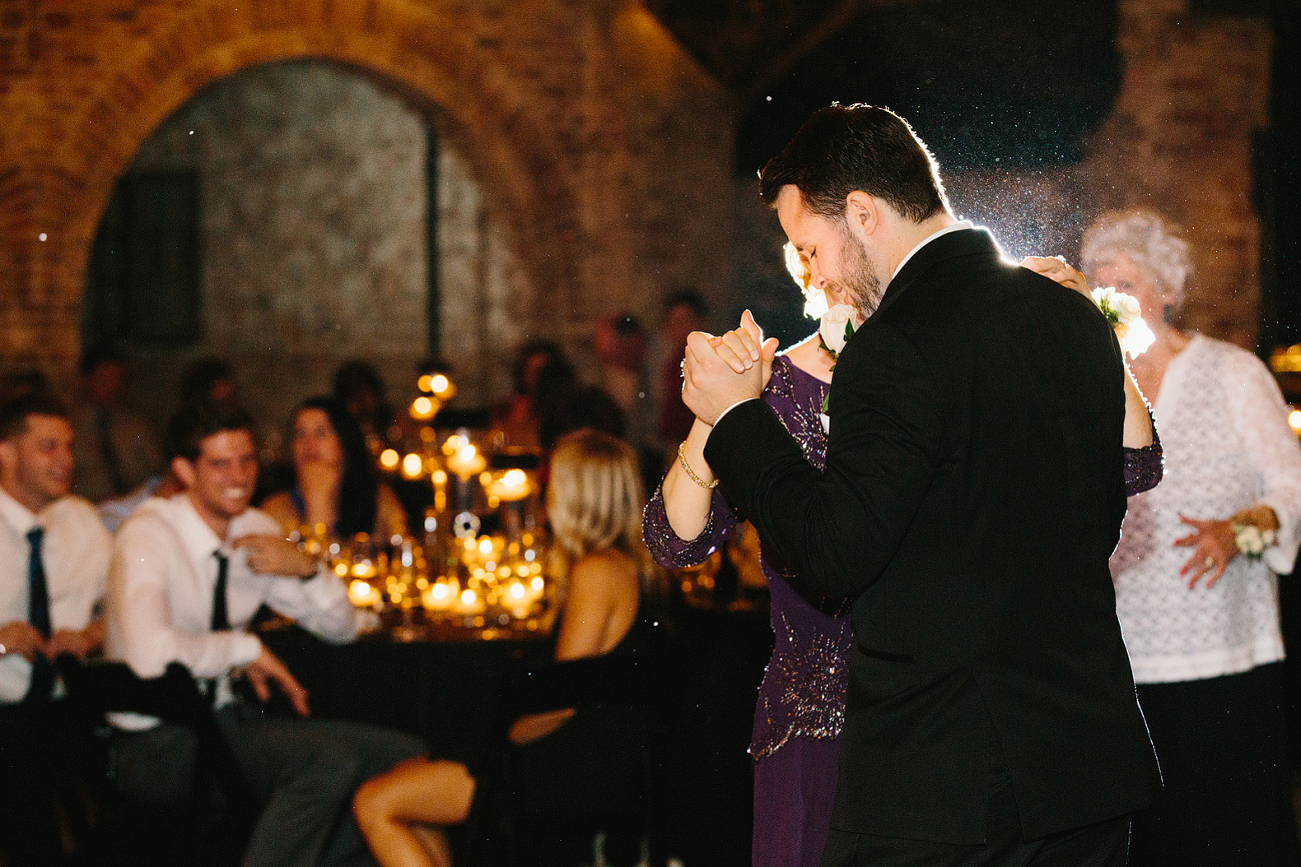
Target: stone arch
column 425, row 55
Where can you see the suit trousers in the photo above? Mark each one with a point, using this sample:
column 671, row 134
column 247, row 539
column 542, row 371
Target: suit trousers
column 302, row 771
column 45, row 753
column 1104, row 844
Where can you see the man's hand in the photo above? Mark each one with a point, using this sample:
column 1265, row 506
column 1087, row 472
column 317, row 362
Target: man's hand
column 268, row 668
column 718, row 372
column 21, row 637
column 79, row 642
column 275, row 555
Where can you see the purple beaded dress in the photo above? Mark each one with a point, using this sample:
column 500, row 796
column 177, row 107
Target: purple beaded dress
column 801, row 707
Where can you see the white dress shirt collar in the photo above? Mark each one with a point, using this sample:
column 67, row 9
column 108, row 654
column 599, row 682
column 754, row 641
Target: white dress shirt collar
column 956, row 227
column 16, row 515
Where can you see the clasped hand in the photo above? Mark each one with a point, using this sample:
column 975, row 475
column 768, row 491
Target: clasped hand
column 721, row 371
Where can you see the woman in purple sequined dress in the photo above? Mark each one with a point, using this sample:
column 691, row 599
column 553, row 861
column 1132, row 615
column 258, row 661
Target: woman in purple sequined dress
column 800, row 711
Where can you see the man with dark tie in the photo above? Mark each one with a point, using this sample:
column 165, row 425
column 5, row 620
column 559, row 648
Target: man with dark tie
column 53, row 559
column 186, row 576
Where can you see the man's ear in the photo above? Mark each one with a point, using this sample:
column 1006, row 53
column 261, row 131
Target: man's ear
column 184, row 471
column 862, row 213
column 8, row 456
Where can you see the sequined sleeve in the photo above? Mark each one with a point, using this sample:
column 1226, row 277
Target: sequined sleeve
column 1144, row 467
column 672, row 552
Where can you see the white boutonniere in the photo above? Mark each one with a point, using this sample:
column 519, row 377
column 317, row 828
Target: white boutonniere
column 834, row 331
column 1251, row 540
column 1126, row 318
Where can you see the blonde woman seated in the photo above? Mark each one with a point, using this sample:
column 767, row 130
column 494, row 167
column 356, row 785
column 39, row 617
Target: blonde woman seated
column 594, row 501
column 336, row 483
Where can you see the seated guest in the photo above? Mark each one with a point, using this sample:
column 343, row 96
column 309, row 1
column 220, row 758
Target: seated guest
column 186, row 575
column 116, row 449
column 542, row 379
column 53, row 559
column 594, row 501
column 335, row 480
column 360, row 388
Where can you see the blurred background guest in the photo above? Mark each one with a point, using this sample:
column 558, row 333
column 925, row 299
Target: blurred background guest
column 684, row 312
column 542, row 379
column 335, row 482
column 360, row 389
column 1196, row 571
column 207, row 380
column 117, row 451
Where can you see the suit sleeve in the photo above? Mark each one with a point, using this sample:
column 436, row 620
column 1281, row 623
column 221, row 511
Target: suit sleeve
column 839, row 528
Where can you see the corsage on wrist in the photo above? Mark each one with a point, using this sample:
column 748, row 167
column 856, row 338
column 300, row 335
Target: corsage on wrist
column 1251, row 540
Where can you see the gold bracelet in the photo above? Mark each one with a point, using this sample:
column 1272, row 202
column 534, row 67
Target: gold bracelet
column 682, row 458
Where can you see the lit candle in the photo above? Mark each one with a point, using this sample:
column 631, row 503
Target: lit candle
column 466, row 461
column 362, row 594
column 510, row 486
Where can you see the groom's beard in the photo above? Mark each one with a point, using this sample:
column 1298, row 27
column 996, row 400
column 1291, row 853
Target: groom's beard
column 860, row 283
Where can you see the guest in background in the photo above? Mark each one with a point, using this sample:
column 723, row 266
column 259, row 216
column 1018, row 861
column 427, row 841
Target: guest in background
column 684, row 312
column 186, row 576
column 594, row 501
column 542, row 380
column 208, row 380
column 117, row 451
column 53, row 560
column 1197, row 568
column 360, row 388
column 335, row 480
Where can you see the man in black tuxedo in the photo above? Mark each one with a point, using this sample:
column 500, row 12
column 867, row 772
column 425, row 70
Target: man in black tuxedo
column 972, row 495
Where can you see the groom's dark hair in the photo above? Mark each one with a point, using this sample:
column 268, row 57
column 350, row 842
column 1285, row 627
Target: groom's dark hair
column 841, row 149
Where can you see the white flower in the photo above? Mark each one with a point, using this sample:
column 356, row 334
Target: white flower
column 836, row 327
column 826, row 422
column 1251, row 540
column 1126, row 318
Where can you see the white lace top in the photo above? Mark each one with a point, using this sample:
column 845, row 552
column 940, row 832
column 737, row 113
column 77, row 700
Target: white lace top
column 1228, row 445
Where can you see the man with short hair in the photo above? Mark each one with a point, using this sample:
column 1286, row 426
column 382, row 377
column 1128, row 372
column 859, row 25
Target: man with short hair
column 117, row 451
column 973, row 492
column 53, row 558
column 187, row 575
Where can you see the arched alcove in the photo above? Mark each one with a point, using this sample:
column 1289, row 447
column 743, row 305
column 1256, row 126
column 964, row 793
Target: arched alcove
column 292, row 216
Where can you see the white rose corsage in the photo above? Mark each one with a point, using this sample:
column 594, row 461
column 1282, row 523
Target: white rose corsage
column 1126, row 318
column 1251, row 540
column 834, row 331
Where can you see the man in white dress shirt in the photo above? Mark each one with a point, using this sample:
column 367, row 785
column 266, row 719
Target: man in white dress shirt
column 186, row 577
column 53, row 558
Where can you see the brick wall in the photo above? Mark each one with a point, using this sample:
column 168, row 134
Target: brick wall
column 600, row 148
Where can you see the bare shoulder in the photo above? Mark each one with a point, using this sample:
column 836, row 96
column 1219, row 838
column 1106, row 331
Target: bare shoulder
column 281, row 509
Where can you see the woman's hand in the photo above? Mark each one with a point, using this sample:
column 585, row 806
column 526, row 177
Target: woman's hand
column 1055, row 268
column 1213, row 547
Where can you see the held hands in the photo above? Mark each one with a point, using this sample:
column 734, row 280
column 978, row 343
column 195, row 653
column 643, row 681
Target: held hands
column 718, row 372
column 275, row 555
column 1213, row 547
column 22, row 638
column 268, row 668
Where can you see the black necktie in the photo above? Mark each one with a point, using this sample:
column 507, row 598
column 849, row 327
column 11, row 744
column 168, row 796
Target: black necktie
column 38, row 614
column 220, row 621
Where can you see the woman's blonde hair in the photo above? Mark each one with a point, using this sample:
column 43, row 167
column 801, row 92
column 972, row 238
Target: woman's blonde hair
column 594, row 495
column 1151, row 243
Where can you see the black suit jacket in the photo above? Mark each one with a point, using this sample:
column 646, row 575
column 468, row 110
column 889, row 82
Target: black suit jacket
column 973, row 493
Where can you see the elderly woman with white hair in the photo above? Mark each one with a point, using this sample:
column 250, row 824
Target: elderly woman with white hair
column 1197, row 568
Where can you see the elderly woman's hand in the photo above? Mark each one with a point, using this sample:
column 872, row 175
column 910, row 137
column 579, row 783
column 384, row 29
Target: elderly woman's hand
column 1055, row 268
column 1213, row 547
